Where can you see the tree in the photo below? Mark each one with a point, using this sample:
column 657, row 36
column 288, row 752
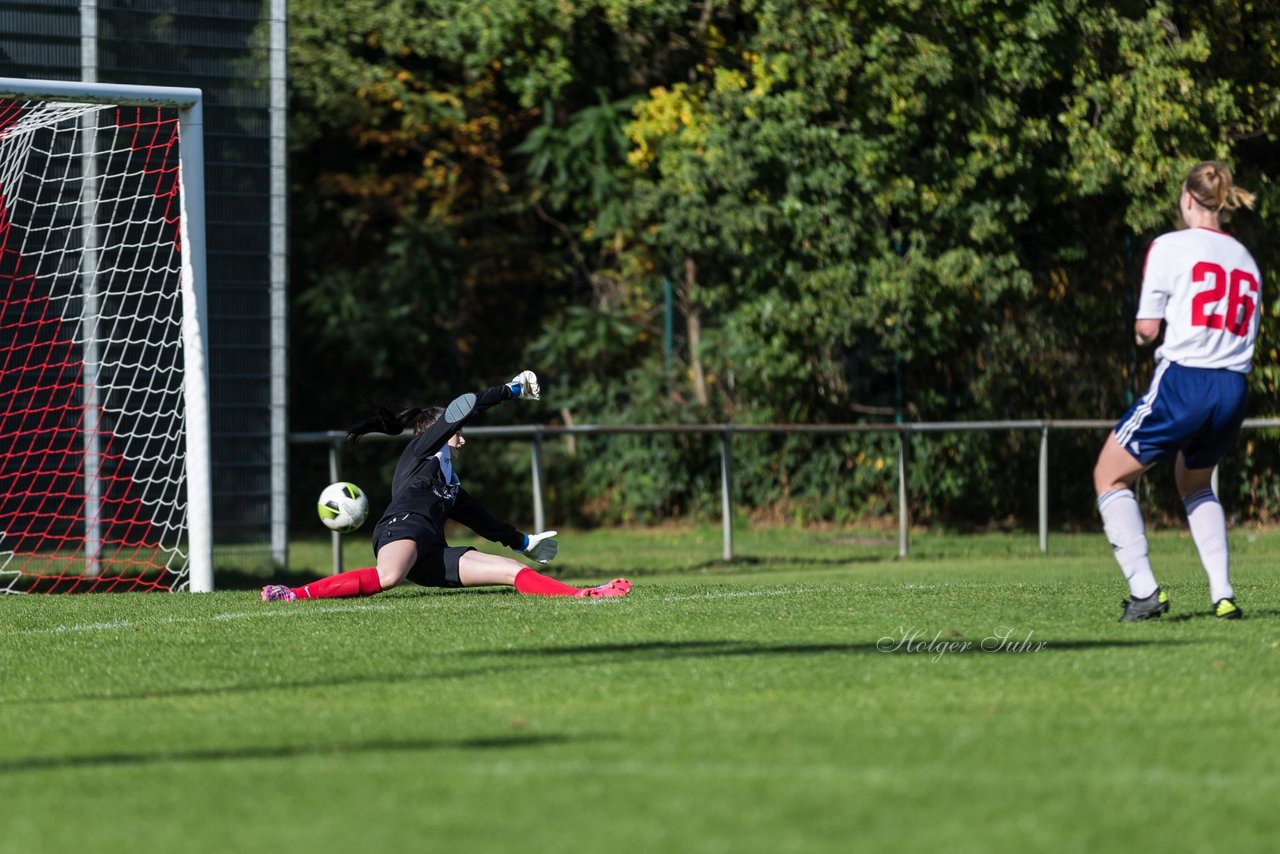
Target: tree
column 931, row 210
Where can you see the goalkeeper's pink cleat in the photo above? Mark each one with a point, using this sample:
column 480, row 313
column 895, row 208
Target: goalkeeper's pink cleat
column 278, row 593
column 617, row 587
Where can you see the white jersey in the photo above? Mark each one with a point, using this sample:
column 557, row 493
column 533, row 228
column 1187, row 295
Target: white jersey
column 1206, row 287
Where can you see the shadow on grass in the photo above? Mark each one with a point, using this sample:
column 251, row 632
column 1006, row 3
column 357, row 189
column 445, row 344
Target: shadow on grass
column 887, row 646
column 54, row 763
column 1208, row 616
column 260, row 687
column 756, row 562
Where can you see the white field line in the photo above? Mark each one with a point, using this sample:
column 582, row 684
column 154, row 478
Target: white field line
column 889, row 776
column 277, row 610
column 737, row 594
column 264, row 613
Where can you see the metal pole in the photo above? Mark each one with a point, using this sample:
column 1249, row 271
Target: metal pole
column 904, row 521
column 89, row 285
column 539, row 521
column 726, row 508
column 195, row 348
column 903, row 431
column 335, row 474
column 1044, row 489
column 278, row 299
column 115, row 94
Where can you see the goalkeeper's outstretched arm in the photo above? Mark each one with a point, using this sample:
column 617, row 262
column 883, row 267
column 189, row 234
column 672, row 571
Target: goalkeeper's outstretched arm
column 460, row 410
column 435, row 426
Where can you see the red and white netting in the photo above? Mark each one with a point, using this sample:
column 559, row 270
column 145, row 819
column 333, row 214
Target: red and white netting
column 92, row 475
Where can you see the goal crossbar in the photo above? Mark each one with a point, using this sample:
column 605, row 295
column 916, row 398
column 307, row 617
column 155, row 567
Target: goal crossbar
column 79, row 92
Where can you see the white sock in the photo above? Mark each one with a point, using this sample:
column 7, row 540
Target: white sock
column 1122, row 520
column 1209, row 529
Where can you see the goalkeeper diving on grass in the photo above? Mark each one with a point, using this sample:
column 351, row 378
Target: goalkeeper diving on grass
column 409, row 540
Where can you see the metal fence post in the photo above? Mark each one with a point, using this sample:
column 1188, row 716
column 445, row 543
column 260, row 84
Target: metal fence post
column 1044, row 489
column 726, row 508
column 539, row 522
column 904, row 521
column 904, row 432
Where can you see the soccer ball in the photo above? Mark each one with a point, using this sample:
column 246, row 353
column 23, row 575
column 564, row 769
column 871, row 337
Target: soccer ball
column 343, row 507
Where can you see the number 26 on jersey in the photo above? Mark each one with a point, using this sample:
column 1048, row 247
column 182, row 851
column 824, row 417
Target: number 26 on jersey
column 1239, row 287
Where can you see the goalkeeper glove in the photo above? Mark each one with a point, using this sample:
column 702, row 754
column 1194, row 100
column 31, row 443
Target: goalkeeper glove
column 525, row 385
column 541, row 547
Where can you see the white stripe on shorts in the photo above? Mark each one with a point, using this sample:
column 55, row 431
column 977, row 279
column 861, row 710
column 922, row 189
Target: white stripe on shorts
column 1126, row 430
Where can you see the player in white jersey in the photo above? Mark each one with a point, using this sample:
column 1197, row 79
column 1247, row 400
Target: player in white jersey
column 1206, row 288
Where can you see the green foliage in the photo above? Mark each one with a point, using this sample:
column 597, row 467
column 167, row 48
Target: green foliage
column 866, row 211
column 575, row 166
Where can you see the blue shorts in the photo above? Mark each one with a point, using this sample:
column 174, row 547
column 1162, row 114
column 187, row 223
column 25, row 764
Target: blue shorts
column 1193, row 410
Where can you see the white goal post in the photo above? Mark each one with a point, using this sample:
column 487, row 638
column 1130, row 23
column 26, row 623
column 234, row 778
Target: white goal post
column 105, row 474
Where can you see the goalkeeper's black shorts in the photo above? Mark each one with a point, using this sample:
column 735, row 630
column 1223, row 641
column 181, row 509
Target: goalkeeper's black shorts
column 437, row 563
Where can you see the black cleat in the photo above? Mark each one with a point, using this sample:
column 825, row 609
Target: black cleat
column 1227, row 609
column 1145, row 609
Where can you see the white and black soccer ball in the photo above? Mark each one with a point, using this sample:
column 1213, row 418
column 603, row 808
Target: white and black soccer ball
column 343, row 507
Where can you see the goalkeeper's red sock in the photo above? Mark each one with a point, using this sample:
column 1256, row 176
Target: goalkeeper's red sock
column 356, row 582
column 531, row 583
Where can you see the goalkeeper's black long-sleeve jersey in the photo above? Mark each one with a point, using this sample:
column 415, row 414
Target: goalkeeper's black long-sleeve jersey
column 419, row 485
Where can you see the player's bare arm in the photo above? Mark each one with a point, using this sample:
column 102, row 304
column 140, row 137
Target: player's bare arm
column 1146, row 330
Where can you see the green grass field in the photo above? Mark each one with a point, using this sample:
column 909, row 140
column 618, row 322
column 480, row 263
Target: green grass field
column 767, row 705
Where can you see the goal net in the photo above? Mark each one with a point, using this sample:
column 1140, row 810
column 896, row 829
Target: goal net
column 104, row 457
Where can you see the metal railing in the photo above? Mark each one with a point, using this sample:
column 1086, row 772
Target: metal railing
column 536, row 434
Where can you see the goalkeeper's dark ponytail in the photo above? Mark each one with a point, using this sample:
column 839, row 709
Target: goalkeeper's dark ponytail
column 383, row 420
